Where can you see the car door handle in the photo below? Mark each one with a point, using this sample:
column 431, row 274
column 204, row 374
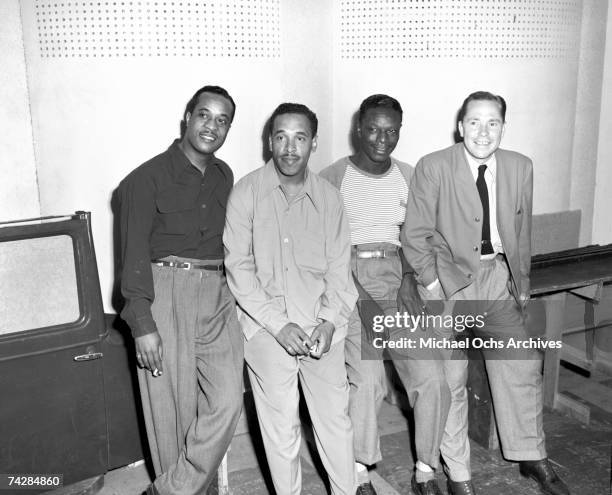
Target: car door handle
column 90, row 356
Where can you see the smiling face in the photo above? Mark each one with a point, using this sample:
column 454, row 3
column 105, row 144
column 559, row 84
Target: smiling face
column 378, row 134
column 207, row 126
column 482, row 129
column 291, row 142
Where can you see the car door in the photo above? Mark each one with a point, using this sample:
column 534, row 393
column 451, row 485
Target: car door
column 52, row 411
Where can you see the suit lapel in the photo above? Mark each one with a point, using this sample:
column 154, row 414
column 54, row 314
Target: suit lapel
column 464, row 180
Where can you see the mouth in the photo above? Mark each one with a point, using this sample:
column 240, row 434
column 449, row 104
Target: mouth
column 209, row 138
column 290, row 158
column 482, row 143
column 381, row 150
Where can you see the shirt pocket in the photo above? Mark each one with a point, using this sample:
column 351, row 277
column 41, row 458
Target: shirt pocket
column 309, row 252
column 177, row 210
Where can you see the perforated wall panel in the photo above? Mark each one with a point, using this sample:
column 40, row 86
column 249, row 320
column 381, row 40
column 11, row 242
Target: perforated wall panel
column 147, row 28
column 459, row 28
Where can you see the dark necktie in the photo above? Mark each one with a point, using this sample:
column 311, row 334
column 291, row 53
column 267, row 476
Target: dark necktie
column 483, row 191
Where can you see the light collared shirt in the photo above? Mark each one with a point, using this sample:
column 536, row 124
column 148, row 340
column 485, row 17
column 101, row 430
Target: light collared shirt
column 490, row 176
column 288, row 262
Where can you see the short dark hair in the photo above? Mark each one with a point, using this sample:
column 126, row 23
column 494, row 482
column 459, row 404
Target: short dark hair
column 218, row 90
column 298, row 108
column 379, row 101
column 483, row 96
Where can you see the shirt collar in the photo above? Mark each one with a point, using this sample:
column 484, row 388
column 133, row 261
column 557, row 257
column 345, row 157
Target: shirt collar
column 272, row 182
column 182, row 165
column 491, row 164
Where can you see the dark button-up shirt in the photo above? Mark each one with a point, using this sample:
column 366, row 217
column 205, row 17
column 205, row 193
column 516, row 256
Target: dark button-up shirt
column 168, row 207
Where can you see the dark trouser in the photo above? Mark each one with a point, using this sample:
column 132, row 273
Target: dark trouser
column 191, row 410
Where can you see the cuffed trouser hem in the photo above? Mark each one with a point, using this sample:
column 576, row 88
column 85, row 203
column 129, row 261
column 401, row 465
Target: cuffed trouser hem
column 366, row 458
column 432, row 460
column 525, row 455
column 459, row 475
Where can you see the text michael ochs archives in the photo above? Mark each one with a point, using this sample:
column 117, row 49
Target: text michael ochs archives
column 403, row 327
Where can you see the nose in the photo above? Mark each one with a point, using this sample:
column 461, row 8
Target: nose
column 483, row 130
column 211, row 123
column 291, row 147
column 381, row 137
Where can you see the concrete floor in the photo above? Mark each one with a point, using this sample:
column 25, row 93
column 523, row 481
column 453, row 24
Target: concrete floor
column 581, row 454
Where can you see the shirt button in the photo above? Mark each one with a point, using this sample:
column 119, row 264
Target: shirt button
column 475, row 248
column 203, row 206
column 285, row 240
column 477, row 219
column 469, row 275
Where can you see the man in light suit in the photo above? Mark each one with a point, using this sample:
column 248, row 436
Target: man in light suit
column 467, row 235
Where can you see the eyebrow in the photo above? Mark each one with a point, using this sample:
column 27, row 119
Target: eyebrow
column 301, row 133
column 210, row 111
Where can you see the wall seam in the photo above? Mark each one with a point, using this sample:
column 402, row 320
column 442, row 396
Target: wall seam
column 34, row 149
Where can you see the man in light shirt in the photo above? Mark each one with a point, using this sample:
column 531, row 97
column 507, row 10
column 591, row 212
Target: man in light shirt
column 288, row 264
column 374, row 187
column 467, row 235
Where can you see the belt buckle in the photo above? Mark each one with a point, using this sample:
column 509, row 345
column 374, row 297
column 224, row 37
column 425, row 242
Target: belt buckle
column 185, row 265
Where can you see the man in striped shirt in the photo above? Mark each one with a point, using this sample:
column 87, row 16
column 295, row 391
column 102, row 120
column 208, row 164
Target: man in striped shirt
column 374, row 188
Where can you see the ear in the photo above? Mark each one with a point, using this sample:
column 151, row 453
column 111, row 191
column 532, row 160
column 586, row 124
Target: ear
column 314, row 143
column 460, row 127
column 503, row 130
column 187, row 117
column 270, row 143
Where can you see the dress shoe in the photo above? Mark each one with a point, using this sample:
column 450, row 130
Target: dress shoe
column 365, row 489
column 460, row 487
column 542, row 472
column 428, row 488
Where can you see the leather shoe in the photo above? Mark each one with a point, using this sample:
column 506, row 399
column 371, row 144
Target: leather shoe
column 542, row 472
column 365, row 489
column 460, row 487
column 429, row 488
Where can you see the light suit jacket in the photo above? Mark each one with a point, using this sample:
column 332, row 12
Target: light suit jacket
column 442, row 233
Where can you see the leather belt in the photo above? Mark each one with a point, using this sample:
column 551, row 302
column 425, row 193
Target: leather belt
column 376, row 253
column 187, row 265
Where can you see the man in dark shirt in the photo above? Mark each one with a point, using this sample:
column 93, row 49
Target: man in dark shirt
column 178, row 306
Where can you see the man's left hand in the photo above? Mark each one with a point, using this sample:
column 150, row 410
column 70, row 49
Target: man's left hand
column 408, row 297
column 524, row 298
column 322, row 337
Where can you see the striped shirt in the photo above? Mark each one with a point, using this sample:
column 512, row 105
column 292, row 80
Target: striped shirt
column 375, row 205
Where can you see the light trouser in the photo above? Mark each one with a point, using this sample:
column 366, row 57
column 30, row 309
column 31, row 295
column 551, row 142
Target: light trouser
column 274, row 376
column 421, row 372
column 516, row 383
column 191, row 411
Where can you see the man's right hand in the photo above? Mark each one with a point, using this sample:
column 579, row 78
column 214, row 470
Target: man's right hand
column 408, row 297
column 149, row 352
column 294, row 340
